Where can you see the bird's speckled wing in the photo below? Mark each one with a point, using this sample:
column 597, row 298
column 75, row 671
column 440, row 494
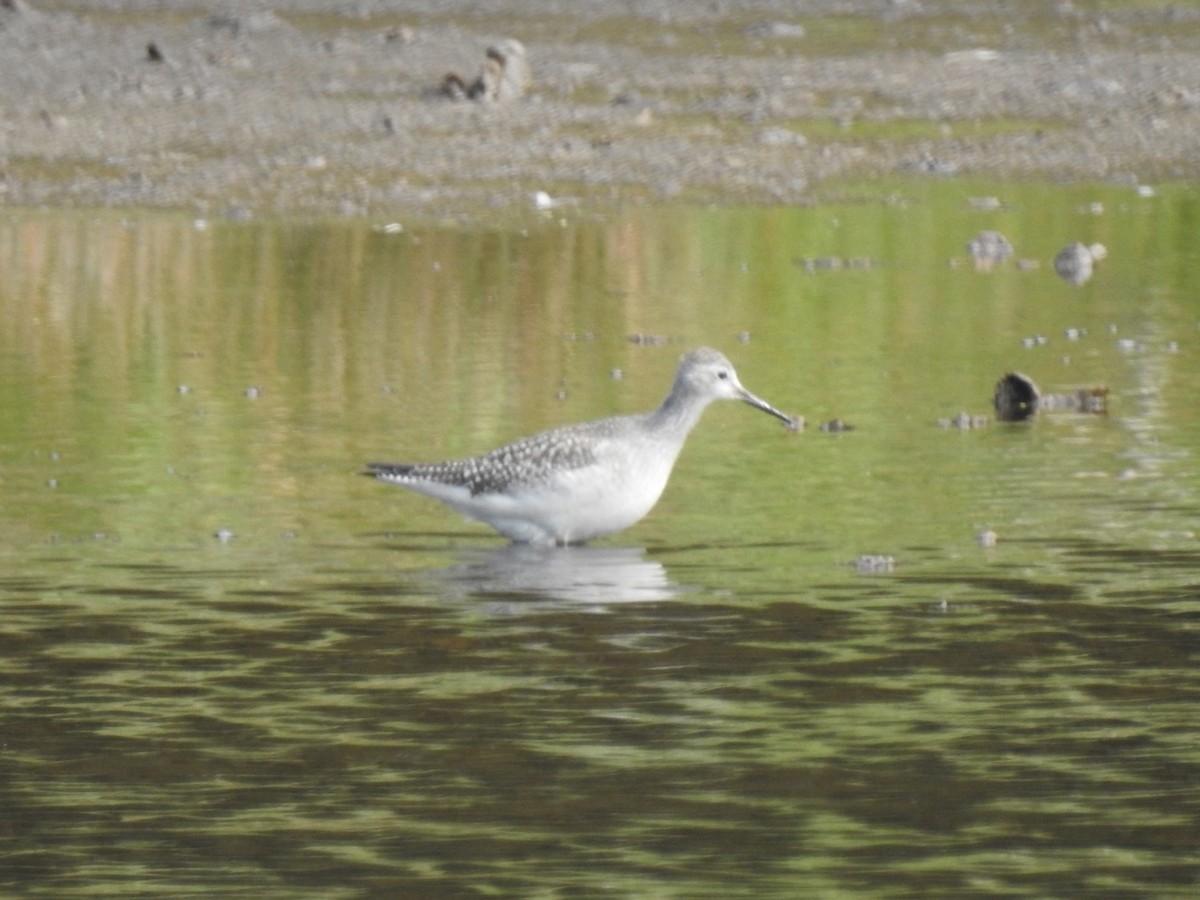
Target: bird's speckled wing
column 530, row 460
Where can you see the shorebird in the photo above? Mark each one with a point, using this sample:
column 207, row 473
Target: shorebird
column 579, row 482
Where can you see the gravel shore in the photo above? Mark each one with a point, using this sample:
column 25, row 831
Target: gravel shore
column 320, row 107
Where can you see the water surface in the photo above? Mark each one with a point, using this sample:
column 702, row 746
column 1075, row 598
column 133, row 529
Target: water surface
column 354, row 692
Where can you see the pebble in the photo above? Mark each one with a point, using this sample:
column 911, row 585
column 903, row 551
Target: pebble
column 987, row 538
column 875, row 562
column 988, row 249
column 963, row 421
column 648, row 340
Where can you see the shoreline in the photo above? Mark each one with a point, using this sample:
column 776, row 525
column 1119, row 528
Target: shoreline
column 295, row 109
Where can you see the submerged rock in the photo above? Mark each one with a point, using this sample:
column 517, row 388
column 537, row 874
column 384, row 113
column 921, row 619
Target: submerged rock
column 1016, row 398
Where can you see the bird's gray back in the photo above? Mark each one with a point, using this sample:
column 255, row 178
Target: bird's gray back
column 531, row 460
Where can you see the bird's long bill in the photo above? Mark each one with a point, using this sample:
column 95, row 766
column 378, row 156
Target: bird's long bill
column 759, row 403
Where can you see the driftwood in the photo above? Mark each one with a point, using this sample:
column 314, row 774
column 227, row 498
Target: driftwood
column 1017, row 398
column 504, row 77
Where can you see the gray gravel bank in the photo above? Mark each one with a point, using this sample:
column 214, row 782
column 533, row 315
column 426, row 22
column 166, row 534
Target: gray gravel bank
column 303, row 107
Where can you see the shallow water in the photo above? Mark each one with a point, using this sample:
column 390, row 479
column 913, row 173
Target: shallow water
column 355, row 692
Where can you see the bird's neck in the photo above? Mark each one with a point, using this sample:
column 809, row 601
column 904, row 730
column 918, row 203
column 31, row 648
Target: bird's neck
column 678, row 413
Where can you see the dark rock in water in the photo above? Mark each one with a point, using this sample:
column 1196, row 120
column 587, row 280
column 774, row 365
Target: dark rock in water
column 1016, row 398
column 1075, row 262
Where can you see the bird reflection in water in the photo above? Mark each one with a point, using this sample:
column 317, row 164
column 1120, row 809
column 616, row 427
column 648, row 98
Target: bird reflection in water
column 518, row 573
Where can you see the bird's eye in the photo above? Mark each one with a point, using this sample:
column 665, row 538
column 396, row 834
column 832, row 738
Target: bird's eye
column 722, row 374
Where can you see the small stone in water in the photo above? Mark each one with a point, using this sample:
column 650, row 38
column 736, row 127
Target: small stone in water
column 963, row 421
column 224, row 535
column 987, row 538
column 988, row 249
column 1074, row 263
column 985, row 202
column 875, row 562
